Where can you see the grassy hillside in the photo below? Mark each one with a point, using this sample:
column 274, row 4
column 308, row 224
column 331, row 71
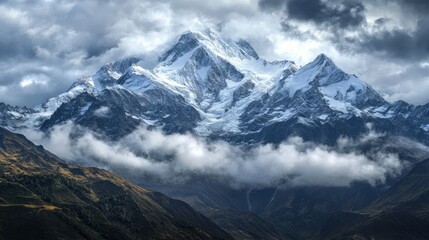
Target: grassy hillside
column 43, row 197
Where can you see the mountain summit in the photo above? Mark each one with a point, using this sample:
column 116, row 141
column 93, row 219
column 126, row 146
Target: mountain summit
column 218, row 87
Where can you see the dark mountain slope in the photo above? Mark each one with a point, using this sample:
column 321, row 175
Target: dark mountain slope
column 401, row 213
column 41, row 197
column 245, row 224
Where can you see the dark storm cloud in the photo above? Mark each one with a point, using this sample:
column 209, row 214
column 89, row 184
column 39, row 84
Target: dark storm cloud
column 341, row 14
column 398, row 43
column 14, row 42
column 99, row 47
column 335, row 17
column 421, row 6
column 271, row 4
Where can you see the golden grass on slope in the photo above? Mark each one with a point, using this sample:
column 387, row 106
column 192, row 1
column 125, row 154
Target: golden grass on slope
column 94, row 201
column 43, row 207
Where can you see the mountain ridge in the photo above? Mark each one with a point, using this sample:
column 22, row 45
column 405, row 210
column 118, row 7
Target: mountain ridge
column 228, row 91
column 73, row 202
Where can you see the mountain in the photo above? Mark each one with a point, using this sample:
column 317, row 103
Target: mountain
column 301, row 211
column 43, row 197
column 400, row 213
column 221, row 88
column 218, row 88
column 11, row 116
column 245, row 224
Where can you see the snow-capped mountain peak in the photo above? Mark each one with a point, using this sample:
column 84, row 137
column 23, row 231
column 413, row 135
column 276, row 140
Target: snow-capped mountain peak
column 211, row 85
column 111, row 72
column 332, row 83
column 211, row 43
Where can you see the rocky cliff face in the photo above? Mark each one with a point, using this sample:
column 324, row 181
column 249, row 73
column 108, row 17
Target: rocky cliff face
column 221, row 88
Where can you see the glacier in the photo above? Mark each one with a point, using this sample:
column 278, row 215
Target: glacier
column 213, row 86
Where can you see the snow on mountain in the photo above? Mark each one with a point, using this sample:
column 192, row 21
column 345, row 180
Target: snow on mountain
column 219, row 78
column 12, row 117
column 110, row 73
column 95, row 84
column 103, row 78
column 342, row 92
column 215, row 86
column 84, row 84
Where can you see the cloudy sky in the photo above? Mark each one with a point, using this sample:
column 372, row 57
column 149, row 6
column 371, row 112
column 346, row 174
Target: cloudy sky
column 45, row 45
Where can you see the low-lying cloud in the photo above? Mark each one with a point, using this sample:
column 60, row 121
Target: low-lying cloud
column 173, row 158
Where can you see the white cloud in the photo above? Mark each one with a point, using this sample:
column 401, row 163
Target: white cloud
column 102, row 111
column 34, row 79
column 173, row 157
